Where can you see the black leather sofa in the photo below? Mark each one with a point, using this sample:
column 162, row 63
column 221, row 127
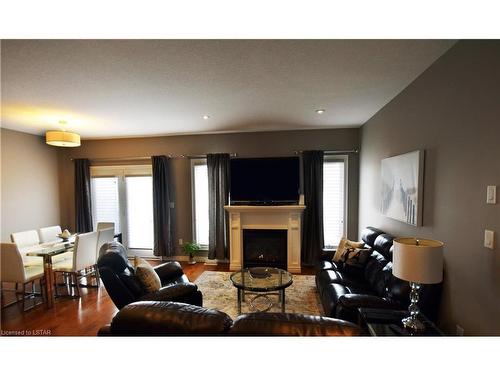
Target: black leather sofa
column 180, row 319
column 123, row 287
column 343, row 289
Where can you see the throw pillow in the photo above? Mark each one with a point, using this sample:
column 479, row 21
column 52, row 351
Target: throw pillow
column 343, row 246
column 146, row 275
column 356, row 257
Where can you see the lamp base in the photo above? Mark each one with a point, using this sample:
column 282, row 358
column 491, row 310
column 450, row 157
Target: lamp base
column 413, row 324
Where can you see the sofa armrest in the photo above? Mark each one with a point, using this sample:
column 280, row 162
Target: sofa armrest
column 105, row 331
column 169, row 270
column 348, row 304
column 354, row 301
column 327, row 254
column 287, row 324
column 148, row 318
column 183, row 292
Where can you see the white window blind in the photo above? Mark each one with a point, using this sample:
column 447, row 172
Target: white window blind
column 333, row 201
column 139, row 211
column 105, row 201
column 200, row 202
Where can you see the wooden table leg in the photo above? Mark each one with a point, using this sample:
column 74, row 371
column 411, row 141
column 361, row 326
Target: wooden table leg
column 49, row 281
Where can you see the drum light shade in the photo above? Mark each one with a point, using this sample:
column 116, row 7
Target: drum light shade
column 418, row 260
column 62, row 139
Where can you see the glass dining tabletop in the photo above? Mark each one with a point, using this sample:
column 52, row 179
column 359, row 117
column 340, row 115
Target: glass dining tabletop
column 51, row 249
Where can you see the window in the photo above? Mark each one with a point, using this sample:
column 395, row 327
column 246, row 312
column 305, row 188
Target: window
column 199, row 175
column 124, row 195
column 334, row 199
column 139, row 211
column 106, row 205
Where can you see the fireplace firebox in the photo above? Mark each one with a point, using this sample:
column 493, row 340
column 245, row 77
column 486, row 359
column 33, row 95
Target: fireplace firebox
column 265, row 248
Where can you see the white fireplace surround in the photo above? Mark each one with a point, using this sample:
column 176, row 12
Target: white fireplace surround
column 265, row 217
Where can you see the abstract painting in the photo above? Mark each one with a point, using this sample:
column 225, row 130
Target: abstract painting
column 402, row 180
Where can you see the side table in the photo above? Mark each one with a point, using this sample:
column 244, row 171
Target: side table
column 385, row 322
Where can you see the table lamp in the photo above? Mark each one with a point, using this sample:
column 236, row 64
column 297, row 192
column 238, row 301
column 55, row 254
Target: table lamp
column 418, row 261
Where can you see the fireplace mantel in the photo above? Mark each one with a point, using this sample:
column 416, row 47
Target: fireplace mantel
column 265, row 217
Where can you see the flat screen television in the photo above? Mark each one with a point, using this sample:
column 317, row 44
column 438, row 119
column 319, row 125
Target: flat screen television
column 265, row 181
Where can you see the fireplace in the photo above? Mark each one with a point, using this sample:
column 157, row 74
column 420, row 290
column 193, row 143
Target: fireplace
column 265, row 248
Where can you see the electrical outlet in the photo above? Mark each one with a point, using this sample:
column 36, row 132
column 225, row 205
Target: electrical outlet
column 460, row 330
column 181, row 241
column 491, row 194
column 489, row 239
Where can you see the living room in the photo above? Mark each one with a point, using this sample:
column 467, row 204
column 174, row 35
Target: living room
column 250, row 187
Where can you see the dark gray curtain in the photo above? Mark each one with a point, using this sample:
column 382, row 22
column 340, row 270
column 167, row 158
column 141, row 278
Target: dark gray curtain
column 162, row 217
column 312, row 226
column 83, row 201
column 218, row 196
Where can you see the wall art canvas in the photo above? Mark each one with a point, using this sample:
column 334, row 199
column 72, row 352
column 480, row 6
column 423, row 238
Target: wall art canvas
column 402, row 187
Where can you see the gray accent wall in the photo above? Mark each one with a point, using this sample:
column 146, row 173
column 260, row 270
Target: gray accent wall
column 29, row 183
column 452, row 111
column 254, row 144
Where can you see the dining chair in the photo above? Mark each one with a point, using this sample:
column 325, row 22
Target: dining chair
column 24, row 241
column 14, row 271
column 81, row 265
column 50, row 234
column 103, row 236
column 105, row 225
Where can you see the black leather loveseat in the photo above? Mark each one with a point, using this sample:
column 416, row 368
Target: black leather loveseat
column 343, row 289
column 180, row 319
column 123, row 287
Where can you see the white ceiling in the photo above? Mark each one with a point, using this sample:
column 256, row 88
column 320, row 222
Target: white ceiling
column 122, row 88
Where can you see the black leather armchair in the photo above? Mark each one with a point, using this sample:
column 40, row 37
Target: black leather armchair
column 123, row 287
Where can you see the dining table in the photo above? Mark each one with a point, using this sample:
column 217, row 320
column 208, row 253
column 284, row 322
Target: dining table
column 47, row 251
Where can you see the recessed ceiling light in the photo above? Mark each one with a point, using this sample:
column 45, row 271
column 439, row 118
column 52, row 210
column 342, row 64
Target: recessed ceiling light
column 320, row 111
column 206, row 117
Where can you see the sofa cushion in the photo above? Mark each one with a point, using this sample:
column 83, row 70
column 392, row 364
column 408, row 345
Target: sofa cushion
column 383, row 244
column 374, row 274
column 323, row 265
column 369, row 235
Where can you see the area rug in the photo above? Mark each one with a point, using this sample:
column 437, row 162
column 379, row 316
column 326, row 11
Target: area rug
column 219, row 293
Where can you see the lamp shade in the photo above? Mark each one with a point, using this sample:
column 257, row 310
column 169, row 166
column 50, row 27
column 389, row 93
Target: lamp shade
column 62, row 138
column 418, row 260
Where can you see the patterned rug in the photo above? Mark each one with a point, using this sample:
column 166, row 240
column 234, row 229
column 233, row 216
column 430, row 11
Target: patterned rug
column 219, row 293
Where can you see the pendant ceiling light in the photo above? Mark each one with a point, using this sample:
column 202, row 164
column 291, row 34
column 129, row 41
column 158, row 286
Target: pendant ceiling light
column 62, row 138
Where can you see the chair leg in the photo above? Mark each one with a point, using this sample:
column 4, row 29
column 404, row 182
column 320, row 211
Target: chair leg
column 77, row 286
column 97, row 276
column 24, row 295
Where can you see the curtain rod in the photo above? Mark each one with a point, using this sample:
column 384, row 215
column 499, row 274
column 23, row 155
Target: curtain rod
column 131, row 158
column 334, row 152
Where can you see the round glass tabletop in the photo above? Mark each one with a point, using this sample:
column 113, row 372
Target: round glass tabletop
column 262, row 279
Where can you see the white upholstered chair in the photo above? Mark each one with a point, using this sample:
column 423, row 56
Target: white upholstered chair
column 105, row 225
column 104, row 236
column 84, row 258
column 24, row 241
column 14, row 271
column 50, row 234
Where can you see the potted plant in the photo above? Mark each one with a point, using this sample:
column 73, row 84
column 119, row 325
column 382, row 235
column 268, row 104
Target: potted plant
column 191, row 248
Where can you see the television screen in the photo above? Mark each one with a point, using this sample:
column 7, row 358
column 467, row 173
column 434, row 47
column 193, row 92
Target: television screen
column 265, row 181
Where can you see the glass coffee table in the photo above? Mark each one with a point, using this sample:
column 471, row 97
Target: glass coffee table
column 261, row 282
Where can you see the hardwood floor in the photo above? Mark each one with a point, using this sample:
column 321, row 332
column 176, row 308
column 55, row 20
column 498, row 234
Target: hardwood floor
column 78, row 317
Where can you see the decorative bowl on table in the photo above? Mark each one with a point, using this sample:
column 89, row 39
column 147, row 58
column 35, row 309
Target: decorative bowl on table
column 65, row 235
column 259, row 272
